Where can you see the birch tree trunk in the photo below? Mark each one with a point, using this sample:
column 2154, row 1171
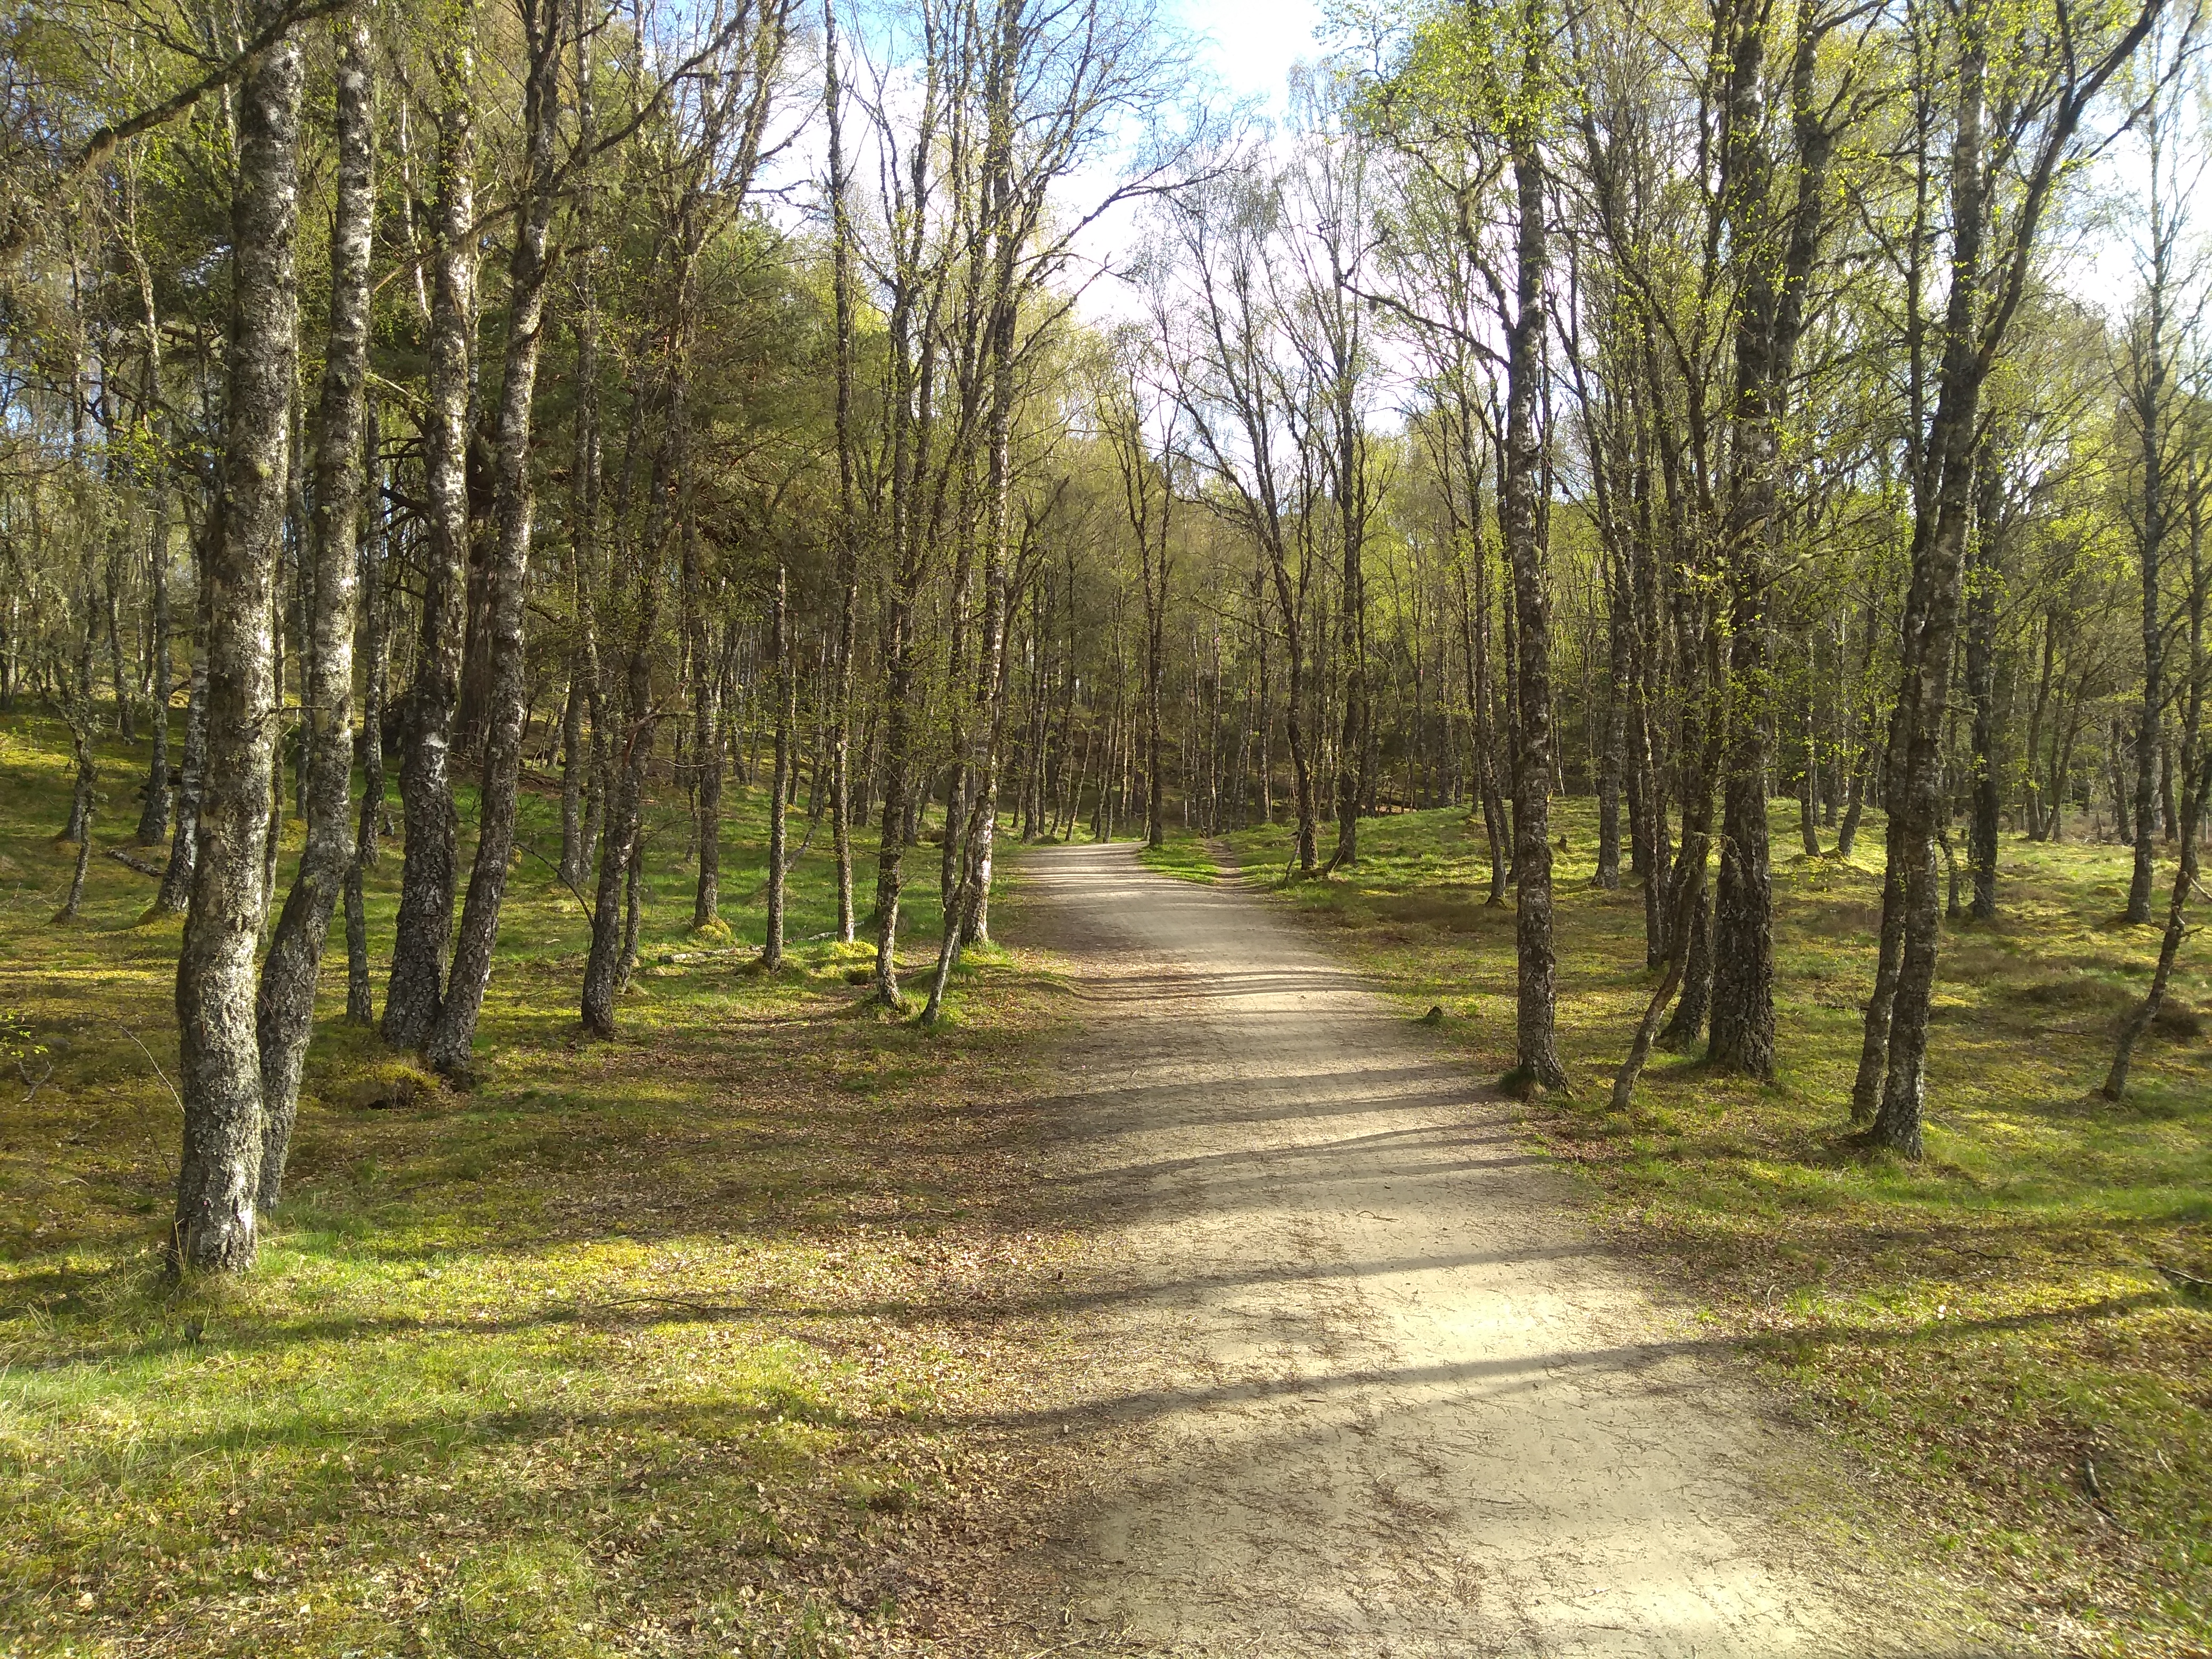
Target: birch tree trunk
column 360, row 1008
column 848, row 565
column 175, row 892
column 1913, row 790
column 284, row 1012
column 1985, row 578
column 424, row 924
column 1536, row 1001
column 218, row 1060
column 786, row 711
column 153, row 816
column 453, row 1035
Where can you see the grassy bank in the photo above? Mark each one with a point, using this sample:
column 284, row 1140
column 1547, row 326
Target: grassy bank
column 1184, row 855
column 1986, row 1329
column 678, row 1344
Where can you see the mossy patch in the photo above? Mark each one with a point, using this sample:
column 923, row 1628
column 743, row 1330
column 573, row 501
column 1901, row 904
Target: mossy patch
column 665, row 1344
column 1186, row 856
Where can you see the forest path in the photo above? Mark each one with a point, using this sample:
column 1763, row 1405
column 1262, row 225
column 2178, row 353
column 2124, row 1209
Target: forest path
column 1370, row 1387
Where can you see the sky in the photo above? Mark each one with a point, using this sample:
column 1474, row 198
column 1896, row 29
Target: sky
column 1245, row 49
column 1251, row 43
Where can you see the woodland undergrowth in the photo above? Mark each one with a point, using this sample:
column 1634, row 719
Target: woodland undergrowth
column 689, row 1342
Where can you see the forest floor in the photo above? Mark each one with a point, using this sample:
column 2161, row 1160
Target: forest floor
column 696, row 1341
column 776, row 1327
column 1985, row 1334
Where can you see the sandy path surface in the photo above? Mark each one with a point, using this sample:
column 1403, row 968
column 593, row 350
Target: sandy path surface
column 1370, row 1387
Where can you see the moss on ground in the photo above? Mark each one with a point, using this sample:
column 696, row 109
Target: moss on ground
column 1987, row 1329
column 679, row 1343
column 1186, row 856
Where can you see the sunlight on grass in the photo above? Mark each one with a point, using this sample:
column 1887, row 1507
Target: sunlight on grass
column 660, row 1342
column 1985, row 1329
column 1185, row 856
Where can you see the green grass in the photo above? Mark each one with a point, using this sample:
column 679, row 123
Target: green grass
column 1186, row 856
column 663, row 1345
column 1984, row 1328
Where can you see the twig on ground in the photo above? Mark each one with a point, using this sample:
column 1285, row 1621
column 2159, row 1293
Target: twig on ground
column 558, row 877
column 2187, row 1284
column 132, row 861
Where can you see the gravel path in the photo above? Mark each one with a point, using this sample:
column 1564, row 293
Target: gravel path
column 1369, row 1386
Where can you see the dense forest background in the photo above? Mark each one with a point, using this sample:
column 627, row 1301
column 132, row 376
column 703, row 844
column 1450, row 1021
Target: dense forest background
column 1684, row 409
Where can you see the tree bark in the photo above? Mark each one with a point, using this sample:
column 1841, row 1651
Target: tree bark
column 605, row 972
column 175, row 892
column 848, row 564
column 787, row 715
column 360, row 1004
column 219, row 1061
column 2144, row 399
column 1612, row 742
column 1979, row 312
column 284, row 1012
column 1775, row 254
column 81, row 796
column 575, row 769
column 707, row 753
column 1914, row 789
column 1536, row 986
column 153, row 818
column 2195, row 778
column 427, row 876
column 453, row 1034
column 1985, row 578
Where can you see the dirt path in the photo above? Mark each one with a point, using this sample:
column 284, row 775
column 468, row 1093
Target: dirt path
column 1371, row 1388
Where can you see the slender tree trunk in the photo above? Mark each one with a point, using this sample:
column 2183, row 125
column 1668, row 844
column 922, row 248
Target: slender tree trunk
column 153, row 815
column 1809, row 785
column 1353, row 768
column 176, row 888
column 153, row 818
column 2144, row 401
column 423, row 928
column 219, row 1061
column 2033, row 802
column 2195, row 778
column 284, row 1012
column 707, row 741
column 786, row 714
column 1156, row 607
column 587, row 772
column 898, row 715
column 848, row 566
column 453, row 1035
column 606, row 964
column 1913, row 791
column 1860, row 746
column 1985, row 577
column 1537, row 994
column 81, row 803
column 575, row 768
column 605, row 973
column 360, row 1004
column 1613, row 728
column 1742, row 1033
